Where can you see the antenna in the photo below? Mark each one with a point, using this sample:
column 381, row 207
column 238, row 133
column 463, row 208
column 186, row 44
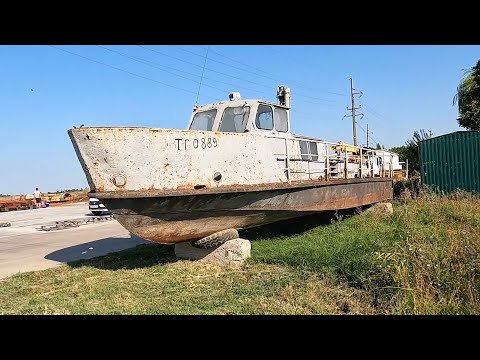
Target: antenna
column 201, row 78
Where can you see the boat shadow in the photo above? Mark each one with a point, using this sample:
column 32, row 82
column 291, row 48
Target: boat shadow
column 294, row 226
column 115, row 253
column 133, row 252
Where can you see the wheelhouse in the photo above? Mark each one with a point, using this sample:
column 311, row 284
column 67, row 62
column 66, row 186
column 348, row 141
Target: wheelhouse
column 242, row 116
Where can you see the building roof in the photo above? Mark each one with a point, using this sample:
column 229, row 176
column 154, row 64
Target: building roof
column 455, row 132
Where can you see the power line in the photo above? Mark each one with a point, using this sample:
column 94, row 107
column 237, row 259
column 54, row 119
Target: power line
column 356, row 123
column 377, row 117
column 232, row 66
column 369, row 132
column 215, row 71
column 297, row 61
column 129, row 72
column 157, row 81
column 206, row 78
column 144, row 62
column 269, row 77
column 228, row 75
column 234, row 60
column 149, row 63
column 373, row 111
column 200, row 66
column 254, row 73
column 201, row 78
column 156, row 67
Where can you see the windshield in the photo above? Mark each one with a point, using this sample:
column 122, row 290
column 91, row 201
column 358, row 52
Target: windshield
column 203, row 120
column 235, row 119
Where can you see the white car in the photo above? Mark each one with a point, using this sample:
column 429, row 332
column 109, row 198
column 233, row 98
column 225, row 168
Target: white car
column 96, row 207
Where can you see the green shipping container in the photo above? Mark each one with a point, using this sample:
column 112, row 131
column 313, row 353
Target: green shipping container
column 452, row 161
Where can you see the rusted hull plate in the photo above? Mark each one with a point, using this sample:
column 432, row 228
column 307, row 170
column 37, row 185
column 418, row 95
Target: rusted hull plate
column 174, row 219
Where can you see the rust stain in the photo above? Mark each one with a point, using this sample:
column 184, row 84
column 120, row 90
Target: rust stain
column 176, row 219
column 114, row 181
column 185, row 187
column 188, row 189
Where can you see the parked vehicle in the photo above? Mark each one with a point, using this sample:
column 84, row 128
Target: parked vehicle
column 96, row 207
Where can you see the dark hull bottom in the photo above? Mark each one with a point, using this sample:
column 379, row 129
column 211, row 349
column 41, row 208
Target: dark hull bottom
column 174, row 219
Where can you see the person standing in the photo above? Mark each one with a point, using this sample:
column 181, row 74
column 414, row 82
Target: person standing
column 38, row 198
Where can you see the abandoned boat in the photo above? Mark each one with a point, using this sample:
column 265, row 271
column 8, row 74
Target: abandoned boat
column 237, row 165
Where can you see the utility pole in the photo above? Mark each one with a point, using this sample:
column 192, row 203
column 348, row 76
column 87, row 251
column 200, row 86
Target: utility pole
column 353, row 114
column 354, row 124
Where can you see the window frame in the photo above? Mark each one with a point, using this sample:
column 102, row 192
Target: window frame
column 257, row 114
column 278, row 108
column 215, row 110
column 245, row 113
column 308, row 155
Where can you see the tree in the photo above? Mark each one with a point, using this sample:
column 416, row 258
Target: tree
column 419, row 136
column 468, row 99
column 410, row 149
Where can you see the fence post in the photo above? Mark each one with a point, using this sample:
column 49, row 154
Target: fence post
column 361, row 163
column 327, row 165
column 346, row 163
column 383, row 164
column 372, row 172
column 391, row 166
column 288, row 162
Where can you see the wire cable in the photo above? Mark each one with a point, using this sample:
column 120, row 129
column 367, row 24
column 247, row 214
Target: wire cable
column 129, row 72
column 243, row 79
column 201, row 78
column 265, row 76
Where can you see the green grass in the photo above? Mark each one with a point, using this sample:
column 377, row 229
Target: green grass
column 101, row 286
column 423, row 259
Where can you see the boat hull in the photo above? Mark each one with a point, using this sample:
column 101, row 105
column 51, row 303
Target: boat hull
column 172, row 218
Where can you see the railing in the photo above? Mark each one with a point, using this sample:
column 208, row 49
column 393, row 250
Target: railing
column 331, row 155
column 404, row 168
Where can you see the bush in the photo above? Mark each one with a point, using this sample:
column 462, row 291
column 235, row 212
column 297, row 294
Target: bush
column 407, row 188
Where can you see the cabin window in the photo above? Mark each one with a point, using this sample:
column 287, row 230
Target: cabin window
column 304, row 150
column 281, row 120
column 313, row 151
column 264, row 119
column 235, row 119
column 308, row 150
column 203, row 120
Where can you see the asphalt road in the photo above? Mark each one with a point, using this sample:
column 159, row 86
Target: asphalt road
column 23, row 247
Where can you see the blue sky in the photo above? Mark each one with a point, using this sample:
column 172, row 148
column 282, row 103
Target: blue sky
column 44, row 91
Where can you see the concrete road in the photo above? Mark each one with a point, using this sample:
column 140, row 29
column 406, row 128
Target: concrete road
column 23, row 247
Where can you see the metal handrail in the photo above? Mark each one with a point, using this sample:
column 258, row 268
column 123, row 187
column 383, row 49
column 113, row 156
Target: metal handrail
column 341, row 153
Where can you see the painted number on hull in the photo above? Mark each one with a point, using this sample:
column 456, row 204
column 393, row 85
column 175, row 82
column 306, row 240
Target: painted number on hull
column 202, row 143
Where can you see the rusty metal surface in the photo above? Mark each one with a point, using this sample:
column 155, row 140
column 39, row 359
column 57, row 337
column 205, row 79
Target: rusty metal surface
column 12, row 205
column 165, row 160
column 171, row 186
column 176, row 219
column 231, row 188
column 122, row 159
